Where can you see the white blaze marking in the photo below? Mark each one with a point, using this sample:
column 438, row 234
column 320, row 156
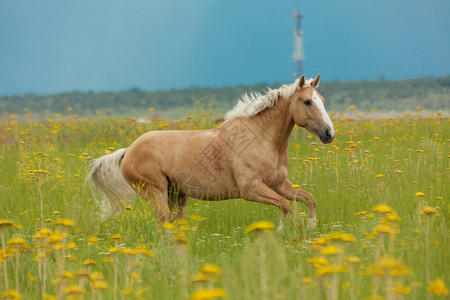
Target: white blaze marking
column 316, row 99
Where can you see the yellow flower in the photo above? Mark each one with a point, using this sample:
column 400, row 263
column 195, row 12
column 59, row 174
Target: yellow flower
column 6, row 224
column 129, row 251
column 428, row 210
column 438, row 288
column 113, row 250
column 67, row 275
column 317, row 261
column 330, row 250
column 92, row 240
column 382, row 208
column 64, row 222
column 98, row 285
column 17, row 242
column 389, row 266
column 340, row 236
column 74, row 289
column 31, row 277
column 393, row 217
column 88, row 262
column 143, row 250
column 96, row 275
column 420, row 194
column 81, row 273
column 260, row 226
column 353, row 259
column 196, row 218
column 361, row 213
column 56, row 237
column 71, row 245
column 199, row 278
column 209, row 294
column 330, row 269
column 180, row 239
column 11, row 294
column 210, row 269
column 116, row 237
column 401, row 290
column 381, row 228
column 379, row 175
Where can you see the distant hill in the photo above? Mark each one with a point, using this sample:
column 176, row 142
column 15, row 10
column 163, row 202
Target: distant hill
column 383, row 95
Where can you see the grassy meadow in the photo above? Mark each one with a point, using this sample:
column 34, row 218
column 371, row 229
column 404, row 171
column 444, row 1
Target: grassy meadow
column 382, row 192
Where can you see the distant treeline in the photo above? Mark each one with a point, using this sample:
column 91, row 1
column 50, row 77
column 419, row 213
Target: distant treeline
column 383, row 95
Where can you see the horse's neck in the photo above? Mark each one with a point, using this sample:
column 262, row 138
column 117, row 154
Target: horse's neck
column 274, row 123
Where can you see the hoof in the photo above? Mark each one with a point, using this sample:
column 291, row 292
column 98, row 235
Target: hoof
column 280, row 227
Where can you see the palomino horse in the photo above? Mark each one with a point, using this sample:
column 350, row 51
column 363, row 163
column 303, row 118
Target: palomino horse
column 245, row 157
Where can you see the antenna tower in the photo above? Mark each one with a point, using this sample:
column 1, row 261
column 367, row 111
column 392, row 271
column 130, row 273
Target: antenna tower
column 298, row 57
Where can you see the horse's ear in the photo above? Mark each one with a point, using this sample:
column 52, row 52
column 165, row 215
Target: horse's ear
column 301, row 82
column 316, row 81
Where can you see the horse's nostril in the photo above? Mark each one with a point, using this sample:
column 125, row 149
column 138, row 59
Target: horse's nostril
column 328, row 133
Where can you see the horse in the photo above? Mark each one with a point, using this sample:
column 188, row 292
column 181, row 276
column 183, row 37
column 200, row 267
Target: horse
column 245, row 157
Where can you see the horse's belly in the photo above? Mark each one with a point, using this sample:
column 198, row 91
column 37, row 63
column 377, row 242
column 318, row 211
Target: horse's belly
column 207, row 186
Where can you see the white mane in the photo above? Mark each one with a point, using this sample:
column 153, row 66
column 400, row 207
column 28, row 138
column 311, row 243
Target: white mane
column 253, row 103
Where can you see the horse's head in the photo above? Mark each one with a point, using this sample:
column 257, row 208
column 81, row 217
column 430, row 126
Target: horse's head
column 308, row 110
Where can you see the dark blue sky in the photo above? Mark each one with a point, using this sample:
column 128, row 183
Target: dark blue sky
column 49, row 46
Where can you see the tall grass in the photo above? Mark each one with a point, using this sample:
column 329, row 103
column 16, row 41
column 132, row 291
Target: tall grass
column 383, row 183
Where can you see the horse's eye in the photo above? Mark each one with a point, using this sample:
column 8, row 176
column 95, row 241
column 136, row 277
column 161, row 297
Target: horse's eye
column 307, row 102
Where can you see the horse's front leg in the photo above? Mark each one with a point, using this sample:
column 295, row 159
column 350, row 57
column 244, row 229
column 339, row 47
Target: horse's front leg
column 260, row 192
column 286, row 190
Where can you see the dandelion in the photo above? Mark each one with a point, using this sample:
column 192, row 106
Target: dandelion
column 180, row 239
column 353, row 259
column 64, row 222
column 382, row 228
column 11, row 294
column 6, row 224
column 88, row 262
column 420, row 194
column 17, row 242
column 264, row 226
column 196, row 218
column 382, row 208
column 428, row 210
column 116, row 238
column 209, row 294
column 361, row 213
column 401, row 290
column 99, row 285
column 330, row 269
column 340, row 237
column 129, row 251
column 379, row 176
column 393, row 217
column 210, row 270
column 317, row 261
column 74, row 290
column 142, row 249
column 389, row 266
column 92, row 240
column 330, row 250
column 199, row 278
column 438, row 288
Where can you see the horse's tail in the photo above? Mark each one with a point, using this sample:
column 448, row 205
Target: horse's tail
column 106, row 177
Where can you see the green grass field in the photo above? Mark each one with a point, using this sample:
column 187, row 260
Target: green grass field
column 382, row 191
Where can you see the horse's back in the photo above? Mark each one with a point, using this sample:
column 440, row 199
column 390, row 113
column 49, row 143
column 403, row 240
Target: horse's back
column 197, row 162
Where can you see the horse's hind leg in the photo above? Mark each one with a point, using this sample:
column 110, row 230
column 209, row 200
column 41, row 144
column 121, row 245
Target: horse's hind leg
column 151, row 186
column 177, row 203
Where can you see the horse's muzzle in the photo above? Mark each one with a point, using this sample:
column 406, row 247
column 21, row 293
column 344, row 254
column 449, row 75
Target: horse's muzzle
column 327, row 136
